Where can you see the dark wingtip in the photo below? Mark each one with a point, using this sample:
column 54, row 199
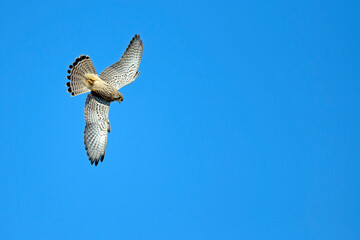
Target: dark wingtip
column 135, row 38
column 96, row 162
column 69, row 90
column 69, row 71
column 102, row 157
column 67, row 84
column 72, row 94
column 68, row 77
column 70, row 66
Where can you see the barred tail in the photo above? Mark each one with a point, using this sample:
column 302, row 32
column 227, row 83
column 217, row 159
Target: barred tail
column 78, row 71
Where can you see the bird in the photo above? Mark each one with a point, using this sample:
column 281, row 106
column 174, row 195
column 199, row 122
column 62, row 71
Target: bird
column 103, row 90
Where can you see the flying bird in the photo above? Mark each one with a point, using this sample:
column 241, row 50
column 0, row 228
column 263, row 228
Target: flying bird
column 103, row 90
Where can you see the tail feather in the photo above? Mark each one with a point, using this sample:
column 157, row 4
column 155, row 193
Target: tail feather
column 88, row 65
column 78, row 71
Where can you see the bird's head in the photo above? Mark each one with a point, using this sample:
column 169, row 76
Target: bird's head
column 119, row 97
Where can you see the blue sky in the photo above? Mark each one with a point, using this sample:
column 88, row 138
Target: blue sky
column 243, row 124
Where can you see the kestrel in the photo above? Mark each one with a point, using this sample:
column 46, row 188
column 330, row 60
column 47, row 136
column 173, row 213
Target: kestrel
column 103, row 90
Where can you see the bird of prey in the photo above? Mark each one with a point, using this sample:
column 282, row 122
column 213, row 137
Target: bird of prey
column 103, row 90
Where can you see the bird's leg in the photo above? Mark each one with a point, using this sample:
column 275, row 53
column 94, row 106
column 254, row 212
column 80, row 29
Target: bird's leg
column 91, row 81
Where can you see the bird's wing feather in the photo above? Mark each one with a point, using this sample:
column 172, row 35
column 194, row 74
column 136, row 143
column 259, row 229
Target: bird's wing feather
column 125, row 71
column 96, row 127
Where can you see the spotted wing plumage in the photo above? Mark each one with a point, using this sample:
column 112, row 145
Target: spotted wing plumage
column 125, row 71
column 97, row 126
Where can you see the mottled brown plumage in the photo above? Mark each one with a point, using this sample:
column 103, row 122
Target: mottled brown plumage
column 103, row 89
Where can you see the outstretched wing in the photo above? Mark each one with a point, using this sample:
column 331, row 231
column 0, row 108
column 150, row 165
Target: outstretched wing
column 97, row 126
column 125, row 71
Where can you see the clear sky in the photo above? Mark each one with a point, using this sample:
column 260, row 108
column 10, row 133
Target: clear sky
column 243, row 124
